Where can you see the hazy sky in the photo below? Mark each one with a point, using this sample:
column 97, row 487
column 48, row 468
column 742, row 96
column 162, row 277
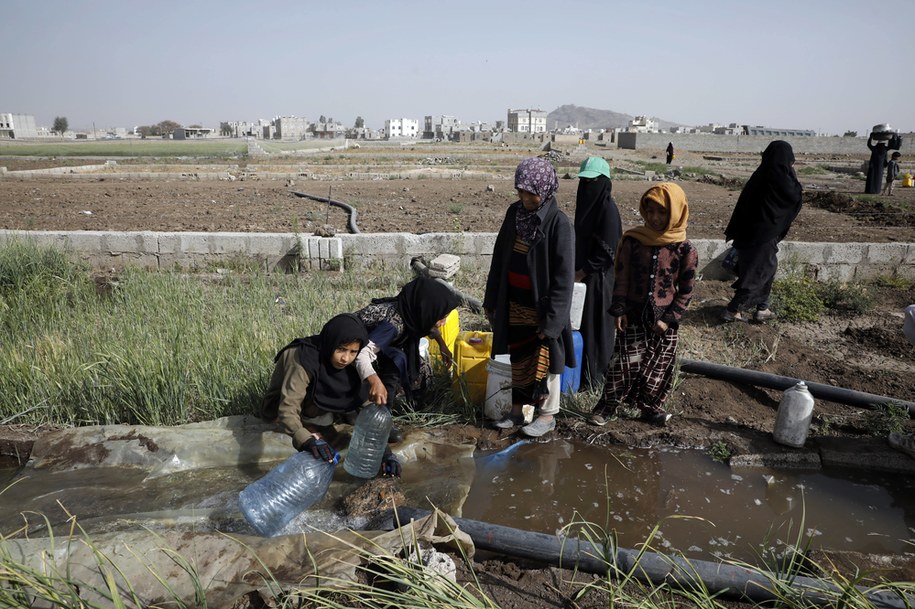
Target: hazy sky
column 828, row 65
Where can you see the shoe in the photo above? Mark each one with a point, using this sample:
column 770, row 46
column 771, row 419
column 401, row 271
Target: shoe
column 659, row 419
column 730, row 316
column 509, row 421
column 395, row 435
column 601, row 417
column 763, row 315
column 539, row 427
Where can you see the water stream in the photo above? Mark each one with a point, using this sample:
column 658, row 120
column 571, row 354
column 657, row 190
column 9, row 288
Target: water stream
column 537, row 487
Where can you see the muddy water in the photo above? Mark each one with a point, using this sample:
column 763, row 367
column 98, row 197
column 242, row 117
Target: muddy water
column 543, row 487
column 537, row 487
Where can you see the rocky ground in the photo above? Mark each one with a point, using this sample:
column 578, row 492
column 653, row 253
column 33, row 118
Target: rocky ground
column 862, row 352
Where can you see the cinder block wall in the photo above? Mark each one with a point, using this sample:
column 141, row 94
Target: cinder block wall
column 707, row 142
column 287, row 251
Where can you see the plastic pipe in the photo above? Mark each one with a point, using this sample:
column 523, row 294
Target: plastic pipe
column 774, row 381
column 472, row 303
column 728, row 580
column 350, row 210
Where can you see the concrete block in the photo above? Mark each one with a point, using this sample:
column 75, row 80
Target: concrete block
column 335, row 248
column 836, row 272
column 886, row 253
column 270, row 244
column 192, row 243
column 135, row 242
column 228, row 243
column 794, row 251
column 313, row 250
column 86, row 241
column 323, row 249
column 844, row 253
column 909, row 256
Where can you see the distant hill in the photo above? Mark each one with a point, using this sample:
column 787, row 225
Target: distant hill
column 592, row 118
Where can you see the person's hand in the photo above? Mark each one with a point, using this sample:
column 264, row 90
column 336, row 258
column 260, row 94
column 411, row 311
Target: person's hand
column 447, row 357
column 321, row 450
column 660, row 327
column 377, row 392
column 622, row 322
column 390, row 466
column 579, row 275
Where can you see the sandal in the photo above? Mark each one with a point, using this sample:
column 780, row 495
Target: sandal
column 509, row 421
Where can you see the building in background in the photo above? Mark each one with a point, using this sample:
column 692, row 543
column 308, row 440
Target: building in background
column 772, row 132
column 441, row 127
column 17, row 126
column 401, row 128
column 526, row 121
column 290, row 128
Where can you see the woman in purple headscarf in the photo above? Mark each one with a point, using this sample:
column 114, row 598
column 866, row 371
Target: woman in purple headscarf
column 529, row 295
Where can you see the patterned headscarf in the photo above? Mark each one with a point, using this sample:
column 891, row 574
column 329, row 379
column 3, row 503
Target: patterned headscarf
column 537, row 176
column 671, row 197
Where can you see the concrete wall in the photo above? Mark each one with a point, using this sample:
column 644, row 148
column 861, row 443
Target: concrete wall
column 708, row 142
column 277, row 251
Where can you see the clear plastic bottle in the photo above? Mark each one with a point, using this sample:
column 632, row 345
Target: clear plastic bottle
column 370, row 438
column 792, row 421
column 291, row 487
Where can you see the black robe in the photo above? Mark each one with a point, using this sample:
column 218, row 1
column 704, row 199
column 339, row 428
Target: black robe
column 597, row 234
column 875, row 166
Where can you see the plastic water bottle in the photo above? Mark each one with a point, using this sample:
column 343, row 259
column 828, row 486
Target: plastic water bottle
column 370, row 438
column 792, row 421
column 287, row 490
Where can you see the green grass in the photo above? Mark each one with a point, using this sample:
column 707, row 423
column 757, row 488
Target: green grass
column 809, row 170
column 127, row 148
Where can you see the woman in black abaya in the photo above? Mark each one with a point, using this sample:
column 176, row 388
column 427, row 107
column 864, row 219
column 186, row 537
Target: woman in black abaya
column 768, row 204
column 875, row 167
column 597, row 234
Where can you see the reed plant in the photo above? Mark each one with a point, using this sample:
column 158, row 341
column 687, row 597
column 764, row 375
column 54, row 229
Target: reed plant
column 156, row 348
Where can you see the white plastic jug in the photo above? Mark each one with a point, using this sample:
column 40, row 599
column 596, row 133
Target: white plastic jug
column 579, row 290
column 795, row 411
column 498, row 388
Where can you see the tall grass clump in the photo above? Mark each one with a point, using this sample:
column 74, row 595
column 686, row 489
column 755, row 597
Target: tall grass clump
column 848, row 298
column 156, row 348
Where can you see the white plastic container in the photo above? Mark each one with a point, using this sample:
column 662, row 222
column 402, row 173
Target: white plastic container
column 795, row 411
column 579, row 291
column 498, row 388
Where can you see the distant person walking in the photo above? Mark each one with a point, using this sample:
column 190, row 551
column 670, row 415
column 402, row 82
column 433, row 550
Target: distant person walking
column 875, row 166
column 597, row 234
column 892, row 171
column 768, row 204
column 670, row 152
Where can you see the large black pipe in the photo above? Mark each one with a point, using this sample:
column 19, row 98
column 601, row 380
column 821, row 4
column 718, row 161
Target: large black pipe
column 727, row 580
column 773, row 381
column 350, row 210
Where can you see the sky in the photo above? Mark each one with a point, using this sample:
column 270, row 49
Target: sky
column 826, row 65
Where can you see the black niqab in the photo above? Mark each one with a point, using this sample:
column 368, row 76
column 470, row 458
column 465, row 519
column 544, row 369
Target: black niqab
column 331, row 388
column 770, row 200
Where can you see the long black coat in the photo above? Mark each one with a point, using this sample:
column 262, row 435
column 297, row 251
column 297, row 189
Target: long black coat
column 875, row 165
column 551, row 265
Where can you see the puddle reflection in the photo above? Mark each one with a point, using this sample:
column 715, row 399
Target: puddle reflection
column 541, row 487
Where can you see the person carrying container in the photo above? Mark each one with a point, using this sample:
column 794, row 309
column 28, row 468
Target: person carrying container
column 314, row 381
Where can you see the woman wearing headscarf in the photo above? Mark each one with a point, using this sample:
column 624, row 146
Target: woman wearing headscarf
column 529, row 295
column 313, row 380
column 768, row 204
column 597, row 235
column 655, row 275
column 390, row 361
column 875, row 165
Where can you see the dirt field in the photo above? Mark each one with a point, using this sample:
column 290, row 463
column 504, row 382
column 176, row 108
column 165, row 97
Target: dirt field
column 866, row 353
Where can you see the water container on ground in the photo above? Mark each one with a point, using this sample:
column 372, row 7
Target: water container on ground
column 579, row 292
column 498, row 387
column 449, row 333
column 471, row 353
column 570, row 381
column 792, row 421
column 369, row 441
column 269, row 503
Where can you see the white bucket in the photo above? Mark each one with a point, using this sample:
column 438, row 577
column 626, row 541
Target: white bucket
column 424, row 348
column 578, row 304
column 498, row 388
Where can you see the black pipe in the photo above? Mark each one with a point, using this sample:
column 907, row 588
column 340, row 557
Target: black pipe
column 773, row 381
column 469, row 301
column 351, row 211
column 718, row 578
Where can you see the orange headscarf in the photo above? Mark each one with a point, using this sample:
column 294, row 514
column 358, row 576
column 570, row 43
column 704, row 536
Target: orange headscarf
column 671, row 197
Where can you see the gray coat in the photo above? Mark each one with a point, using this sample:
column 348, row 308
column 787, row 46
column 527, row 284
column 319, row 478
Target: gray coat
column 551, row 263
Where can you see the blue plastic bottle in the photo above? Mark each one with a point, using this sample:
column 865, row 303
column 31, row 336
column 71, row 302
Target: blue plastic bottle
column 269, row 503
column 370, row 438
column 570, row 380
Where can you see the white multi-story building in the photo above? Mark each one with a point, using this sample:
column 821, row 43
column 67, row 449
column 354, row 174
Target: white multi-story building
column 441, row 127
column 17, row 126
column 643, row 124
column 401, row 127
column 290, row 127
column 526, row 121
